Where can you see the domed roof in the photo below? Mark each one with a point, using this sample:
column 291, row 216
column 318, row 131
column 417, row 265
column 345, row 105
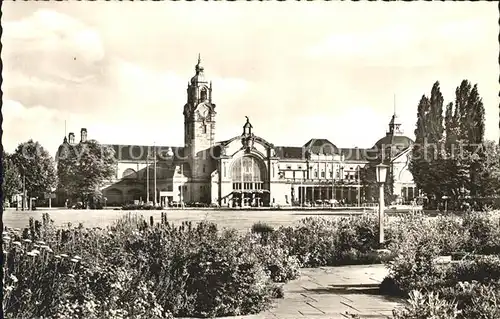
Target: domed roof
column 394, row 137
column 199, row 77
column 400, row 141
column 321, row 146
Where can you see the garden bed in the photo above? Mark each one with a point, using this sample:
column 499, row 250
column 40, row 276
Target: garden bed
column 152, row 268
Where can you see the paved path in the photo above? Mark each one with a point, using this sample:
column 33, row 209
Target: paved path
column 330, row 292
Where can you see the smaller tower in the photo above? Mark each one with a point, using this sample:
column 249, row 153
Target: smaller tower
column 83, row 135
column 247, row 136
column 71, row 138
column 395, row 124
column 247, row 128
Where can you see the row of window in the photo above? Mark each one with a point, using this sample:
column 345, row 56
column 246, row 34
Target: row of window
column 247, row 186
column 299, row 174
column 300, row 167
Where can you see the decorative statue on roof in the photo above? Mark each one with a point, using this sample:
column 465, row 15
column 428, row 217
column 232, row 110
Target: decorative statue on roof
column 248, row 138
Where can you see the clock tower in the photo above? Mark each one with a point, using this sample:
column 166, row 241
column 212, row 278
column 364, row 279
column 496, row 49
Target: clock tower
column 199, row 123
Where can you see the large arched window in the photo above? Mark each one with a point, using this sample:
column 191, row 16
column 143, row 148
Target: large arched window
column 129, row 173
column 248, row 173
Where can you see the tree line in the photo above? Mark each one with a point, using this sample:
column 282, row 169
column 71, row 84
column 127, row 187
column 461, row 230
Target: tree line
column 81, row 170
column 451, row 159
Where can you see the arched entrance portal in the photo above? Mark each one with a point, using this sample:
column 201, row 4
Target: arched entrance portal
column 250, row 187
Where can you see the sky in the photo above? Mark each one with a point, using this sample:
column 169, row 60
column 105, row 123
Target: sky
column 298, row 70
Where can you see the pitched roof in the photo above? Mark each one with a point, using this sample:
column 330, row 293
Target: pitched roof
column 358, row 154
column 140, row 152
column 290, row 152
column 321, row 146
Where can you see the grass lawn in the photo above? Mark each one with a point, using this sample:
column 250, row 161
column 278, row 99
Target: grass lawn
column 239, row 219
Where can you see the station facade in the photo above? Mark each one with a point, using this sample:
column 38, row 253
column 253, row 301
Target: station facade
column 247, row 170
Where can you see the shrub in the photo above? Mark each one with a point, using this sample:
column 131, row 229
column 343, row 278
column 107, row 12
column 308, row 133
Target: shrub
column 40, row 283
column 467, row 289
column 476, row 300
column 282, row 266
column 465, row 300
column 482, row 269
column 331, row 242
column 483, row 233
column 200, row 271
column 312, row 241
column 262, row 228
column 136, row 270
column 414, row 267
column 425, row 306
column 357, row 239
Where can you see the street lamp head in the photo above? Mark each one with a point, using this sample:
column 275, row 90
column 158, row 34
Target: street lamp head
column 381, row 170
column 170, row 153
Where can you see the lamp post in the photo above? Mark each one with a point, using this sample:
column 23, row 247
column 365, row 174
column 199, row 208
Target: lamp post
column 381, row 170
column 147, row 177
column 24, row 191
column 154, row 158
column 445, row 198
column 359, row 185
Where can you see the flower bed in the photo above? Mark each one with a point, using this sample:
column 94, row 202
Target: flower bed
column 332, row 242
column 138, row 270
column 468, row 288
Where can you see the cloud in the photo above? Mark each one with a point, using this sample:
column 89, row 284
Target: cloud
column 45, row 54
column 410, row 44
column 297, row 76
column 41, row 121
column 48, row 31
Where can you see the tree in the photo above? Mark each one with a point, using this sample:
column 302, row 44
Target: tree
column 489, row 172
column 36, row 167
column 429, row 130
column 434, row 118
column 83, row 169
column 452, row 164
column 451, row 126
column 475, row 138
column 11, row 179
column 465, row 136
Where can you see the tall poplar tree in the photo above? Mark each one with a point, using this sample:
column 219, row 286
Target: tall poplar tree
column 475, row 139
column 418, row 164
column 427, row 171
column 434, row 117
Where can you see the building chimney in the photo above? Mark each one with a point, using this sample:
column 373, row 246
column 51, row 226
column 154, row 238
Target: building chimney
column 83, row 135
column 71, row 138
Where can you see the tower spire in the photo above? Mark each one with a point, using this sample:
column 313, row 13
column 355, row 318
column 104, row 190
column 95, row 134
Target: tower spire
column 65, row 139
column 198, row 67
column 394, row 104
